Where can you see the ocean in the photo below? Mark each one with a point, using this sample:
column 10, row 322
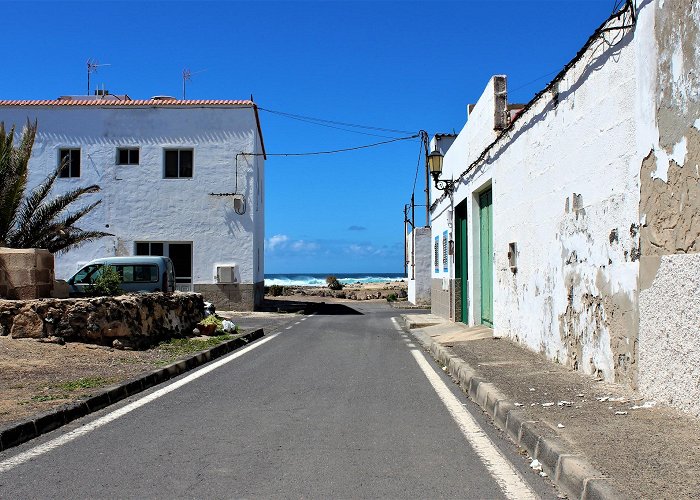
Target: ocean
column 319, row 279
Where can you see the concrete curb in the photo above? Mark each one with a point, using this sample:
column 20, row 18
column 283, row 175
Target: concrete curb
column 571, row 472
column 23, row 431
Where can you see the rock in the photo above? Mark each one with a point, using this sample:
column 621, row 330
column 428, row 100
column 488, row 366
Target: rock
column 53, row 340
column 27, row 324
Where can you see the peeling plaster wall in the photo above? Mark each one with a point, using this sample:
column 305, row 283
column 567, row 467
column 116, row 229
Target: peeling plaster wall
column 598, row 185
column 561, row 182
column 669, row 297
column 138, row 204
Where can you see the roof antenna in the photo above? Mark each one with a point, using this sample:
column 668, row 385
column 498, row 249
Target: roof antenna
column 92, row 65
column 186, row 77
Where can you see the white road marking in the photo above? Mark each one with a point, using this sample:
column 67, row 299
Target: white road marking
column 503, row 472
column 288, row 328
column 506, row 476
column 298, row 322
column 23, row 457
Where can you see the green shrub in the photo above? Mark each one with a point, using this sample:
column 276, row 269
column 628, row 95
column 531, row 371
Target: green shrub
column 213, row 320
column 107, row 283
column 276, row 290
column 391, row 297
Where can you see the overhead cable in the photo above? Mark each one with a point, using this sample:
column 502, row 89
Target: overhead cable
column 600, row 32
column 344, row 150
column 319, row 121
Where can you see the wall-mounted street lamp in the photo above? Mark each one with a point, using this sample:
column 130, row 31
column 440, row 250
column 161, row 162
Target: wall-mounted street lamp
column 435, row 168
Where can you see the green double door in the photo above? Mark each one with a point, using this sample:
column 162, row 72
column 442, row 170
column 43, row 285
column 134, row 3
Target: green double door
column 462, row 256
column 486, row 256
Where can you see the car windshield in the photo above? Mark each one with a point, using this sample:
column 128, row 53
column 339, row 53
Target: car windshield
column 88, row 274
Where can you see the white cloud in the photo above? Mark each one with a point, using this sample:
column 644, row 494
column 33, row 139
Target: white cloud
column 278, row 240
column 282, row 242
column 304, row 246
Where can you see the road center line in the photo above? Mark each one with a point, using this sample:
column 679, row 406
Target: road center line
column 23, row 457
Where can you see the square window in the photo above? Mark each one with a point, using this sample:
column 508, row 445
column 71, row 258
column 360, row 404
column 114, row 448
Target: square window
column 127, row 156
column 69, row 159
column 178, row 163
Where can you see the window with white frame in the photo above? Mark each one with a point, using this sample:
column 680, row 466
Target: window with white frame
column 69, row 160
column 127, row 156
column 178, row 163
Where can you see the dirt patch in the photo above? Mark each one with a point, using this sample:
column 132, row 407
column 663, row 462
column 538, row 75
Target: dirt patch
column 35, row 376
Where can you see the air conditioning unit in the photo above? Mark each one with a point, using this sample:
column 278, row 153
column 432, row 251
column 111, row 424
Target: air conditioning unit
column 225, row 274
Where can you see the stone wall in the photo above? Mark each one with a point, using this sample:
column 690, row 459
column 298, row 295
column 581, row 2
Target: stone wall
column 125, row 321
column 232, row 296
column 26, row 273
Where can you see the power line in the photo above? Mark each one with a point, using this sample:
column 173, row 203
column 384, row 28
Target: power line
column 344, row 150
column 629, row 8
column 334, row 122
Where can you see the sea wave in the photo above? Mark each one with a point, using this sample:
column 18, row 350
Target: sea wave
column 318, row 281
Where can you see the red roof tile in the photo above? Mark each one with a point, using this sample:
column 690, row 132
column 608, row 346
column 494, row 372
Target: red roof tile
column 130, row 103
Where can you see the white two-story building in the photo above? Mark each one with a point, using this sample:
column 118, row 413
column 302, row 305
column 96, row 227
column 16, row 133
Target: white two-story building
column 184, row 179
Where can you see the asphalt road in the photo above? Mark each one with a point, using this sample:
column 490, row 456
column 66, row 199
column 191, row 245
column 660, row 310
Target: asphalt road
column 334, row 406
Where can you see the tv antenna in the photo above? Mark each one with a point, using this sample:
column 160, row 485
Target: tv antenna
column 186, row 77
column 92, row 65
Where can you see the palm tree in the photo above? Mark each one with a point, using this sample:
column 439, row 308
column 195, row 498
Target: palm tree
column 33, row 220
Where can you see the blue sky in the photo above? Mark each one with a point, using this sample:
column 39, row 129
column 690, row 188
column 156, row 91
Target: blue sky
column 406, row 66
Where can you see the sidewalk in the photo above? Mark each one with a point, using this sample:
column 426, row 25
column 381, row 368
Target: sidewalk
column 595, row 439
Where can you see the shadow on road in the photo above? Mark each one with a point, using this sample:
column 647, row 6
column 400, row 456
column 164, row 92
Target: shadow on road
column 297, row 306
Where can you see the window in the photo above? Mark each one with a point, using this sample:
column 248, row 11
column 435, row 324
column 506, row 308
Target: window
column 178, row 163
column 437, row 254
column 181, row 255
column 69, row 159
column 138, row 273
column 148, row 248
column 444, row 252
column 127, row 156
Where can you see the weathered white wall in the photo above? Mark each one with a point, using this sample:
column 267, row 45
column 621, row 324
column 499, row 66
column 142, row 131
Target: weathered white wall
column 598, row 184
column 669, row 296
column 669, row 362
column 420, row 253
column 561, row 182
column 138, row 204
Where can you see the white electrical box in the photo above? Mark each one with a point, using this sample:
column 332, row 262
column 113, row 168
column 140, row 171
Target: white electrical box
column 225, row 274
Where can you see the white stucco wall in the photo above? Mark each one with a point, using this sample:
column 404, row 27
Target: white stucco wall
column 669, row 329
column 563, row 181
column 420, row 254
column 138, row 204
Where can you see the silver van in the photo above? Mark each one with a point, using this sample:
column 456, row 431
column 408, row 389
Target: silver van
column 138, row 274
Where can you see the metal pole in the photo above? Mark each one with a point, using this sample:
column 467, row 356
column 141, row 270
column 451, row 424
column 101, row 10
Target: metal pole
column 413, row 211
column 405, row 237
column 424, row 136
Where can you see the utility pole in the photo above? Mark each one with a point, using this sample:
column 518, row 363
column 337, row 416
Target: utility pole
column 424, row 138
